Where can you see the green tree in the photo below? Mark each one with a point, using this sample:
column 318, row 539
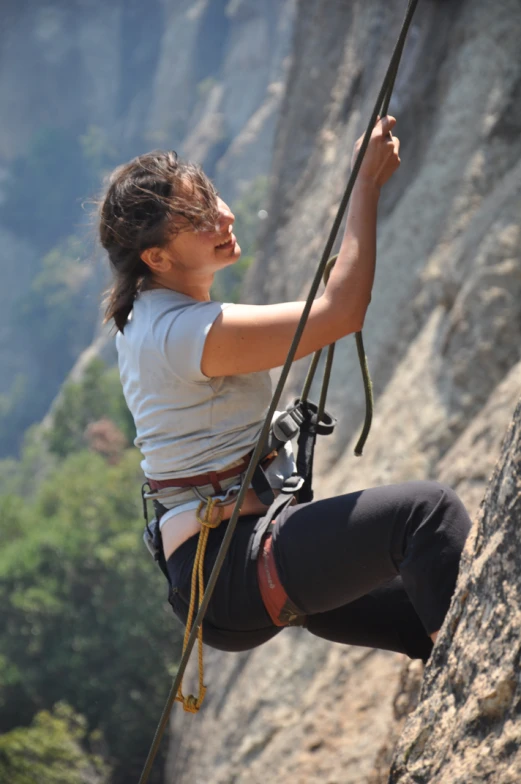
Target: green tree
column 84, row 614
column 98, row 394
column 50, row 752
column 22, row 477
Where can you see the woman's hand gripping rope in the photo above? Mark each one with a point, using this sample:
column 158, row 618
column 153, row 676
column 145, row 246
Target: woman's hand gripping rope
column 191, row 704
column 383, row 153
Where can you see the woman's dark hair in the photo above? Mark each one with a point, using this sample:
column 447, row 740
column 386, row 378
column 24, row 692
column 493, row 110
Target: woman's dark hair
column 148, row 201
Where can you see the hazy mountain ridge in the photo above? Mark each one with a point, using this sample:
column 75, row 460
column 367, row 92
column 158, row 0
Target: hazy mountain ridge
column 98, row 84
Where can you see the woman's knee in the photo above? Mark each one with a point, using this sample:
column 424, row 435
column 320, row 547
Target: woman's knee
column 439, row 496
column 437, row 507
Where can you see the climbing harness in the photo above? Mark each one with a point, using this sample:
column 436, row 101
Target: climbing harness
column 380, row 109
column 303, row 419
column 281, row 609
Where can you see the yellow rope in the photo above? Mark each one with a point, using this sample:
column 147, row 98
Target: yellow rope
column 192, row 703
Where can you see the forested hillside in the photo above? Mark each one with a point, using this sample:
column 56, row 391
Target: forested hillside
column 88, row 642
column 84, row 87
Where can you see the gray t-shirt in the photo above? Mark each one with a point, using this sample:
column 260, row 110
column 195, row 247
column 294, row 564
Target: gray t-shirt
column 187, row 424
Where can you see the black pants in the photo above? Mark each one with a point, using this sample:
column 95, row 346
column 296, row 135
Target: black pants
column 375, row 568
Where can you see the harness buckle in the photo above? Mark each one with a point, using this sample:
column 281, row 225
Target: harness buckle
column 292, row 484
column 286, row 426
column 152, row 538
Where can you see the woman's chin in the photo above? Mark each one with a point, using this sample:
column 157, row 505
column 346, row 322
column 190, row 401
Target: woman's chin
column 231, row 256
column 236, row 252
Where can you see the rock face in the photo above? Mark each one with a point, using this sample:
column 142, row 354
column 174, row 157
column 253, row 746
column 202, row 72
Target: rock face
column 284, row 711
column 443, row 335
column 189, row 74
column 467, row 727
column 219, row 76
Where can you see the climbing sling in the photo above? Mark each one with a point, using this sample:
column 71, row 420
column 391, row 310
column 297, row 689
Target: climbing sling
column 380, row 109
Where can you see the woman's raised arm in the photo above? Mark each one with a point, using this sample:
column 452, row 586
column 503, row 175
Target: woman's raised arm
column 249, row 338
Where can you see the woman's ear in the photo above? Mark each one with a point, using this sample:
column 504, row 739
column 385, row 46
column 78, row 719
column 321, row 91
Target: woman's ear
column 156, row 259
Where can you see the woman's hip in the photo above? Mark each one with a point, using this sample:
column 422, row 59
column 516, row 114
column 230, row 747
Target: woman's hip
column 236, row 618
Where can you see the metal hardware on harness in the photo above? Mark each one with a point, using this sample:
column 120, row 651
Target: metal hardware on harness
column 291, row 487
column 152, row 538
column 287, row 425
column 226, row 501
column 152, row 532
column 144, row 500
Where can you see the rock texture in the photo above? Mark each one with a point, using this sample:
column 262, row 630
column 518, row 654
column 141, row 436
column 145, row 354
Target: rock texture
column 283, row 712
column 189, row 74
column 443, row 335
column 466, row 728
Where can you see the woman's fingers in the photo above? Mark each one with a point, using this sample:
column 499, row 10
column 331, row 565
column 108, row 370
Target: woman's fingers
column 382, row 156
column 388, row 122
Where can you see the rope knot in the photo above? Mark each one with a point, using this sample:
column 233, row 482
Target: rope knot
column 207, row 520
column 191, row 703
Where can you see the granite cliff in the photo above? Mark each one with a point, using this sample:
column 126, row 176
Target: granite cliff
column 287, row 87
column 443, row 337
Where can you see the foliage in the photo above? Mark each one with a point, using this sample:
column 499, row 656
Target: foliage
column 50, row 752
column 247, row 218
column 23, row 476
column 98, row 395
column 52, row 324
column 55, row 318
column 97, row 150
column 84, row 612
column 62, row 302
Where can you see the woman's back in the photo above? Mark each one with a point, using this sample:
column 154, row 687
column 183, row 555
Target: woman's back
column 186, row 423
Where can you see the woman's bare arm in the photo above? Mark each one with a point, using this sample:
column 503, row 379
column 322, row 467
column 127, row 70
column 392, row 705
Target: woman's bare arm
column 249, row 338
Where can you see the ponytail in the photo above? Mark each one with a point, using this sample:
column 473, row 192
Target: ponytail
column 120, row 298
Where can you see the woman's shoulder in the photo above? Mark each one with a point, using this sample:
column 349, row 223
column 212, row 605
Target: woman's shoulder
column 173, row 327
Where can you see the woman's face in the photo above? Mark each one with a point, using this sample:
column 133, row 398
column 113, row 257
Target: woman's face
column 206, row 251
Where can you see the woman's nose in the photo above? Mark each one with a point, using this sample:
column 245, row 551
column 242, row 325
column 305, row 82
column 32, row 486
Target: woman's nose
column 226, row 216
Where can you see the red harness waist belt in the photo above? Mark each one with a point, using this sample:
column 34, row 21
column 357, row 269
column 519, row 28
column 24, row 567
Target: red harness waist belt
column 211, row 478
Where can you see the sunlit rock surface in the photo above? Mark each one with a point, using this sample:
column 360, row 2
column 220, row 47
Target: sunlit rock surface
column 443, row 335
column 467, row 724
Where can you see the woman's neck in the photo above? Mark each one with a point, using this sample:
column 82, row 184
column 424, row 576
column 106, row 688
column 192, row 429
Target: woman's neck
column 194, row 289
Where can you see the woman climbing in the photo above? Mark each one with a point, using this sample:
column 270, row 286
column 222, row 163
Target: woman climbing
column 376, row 567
